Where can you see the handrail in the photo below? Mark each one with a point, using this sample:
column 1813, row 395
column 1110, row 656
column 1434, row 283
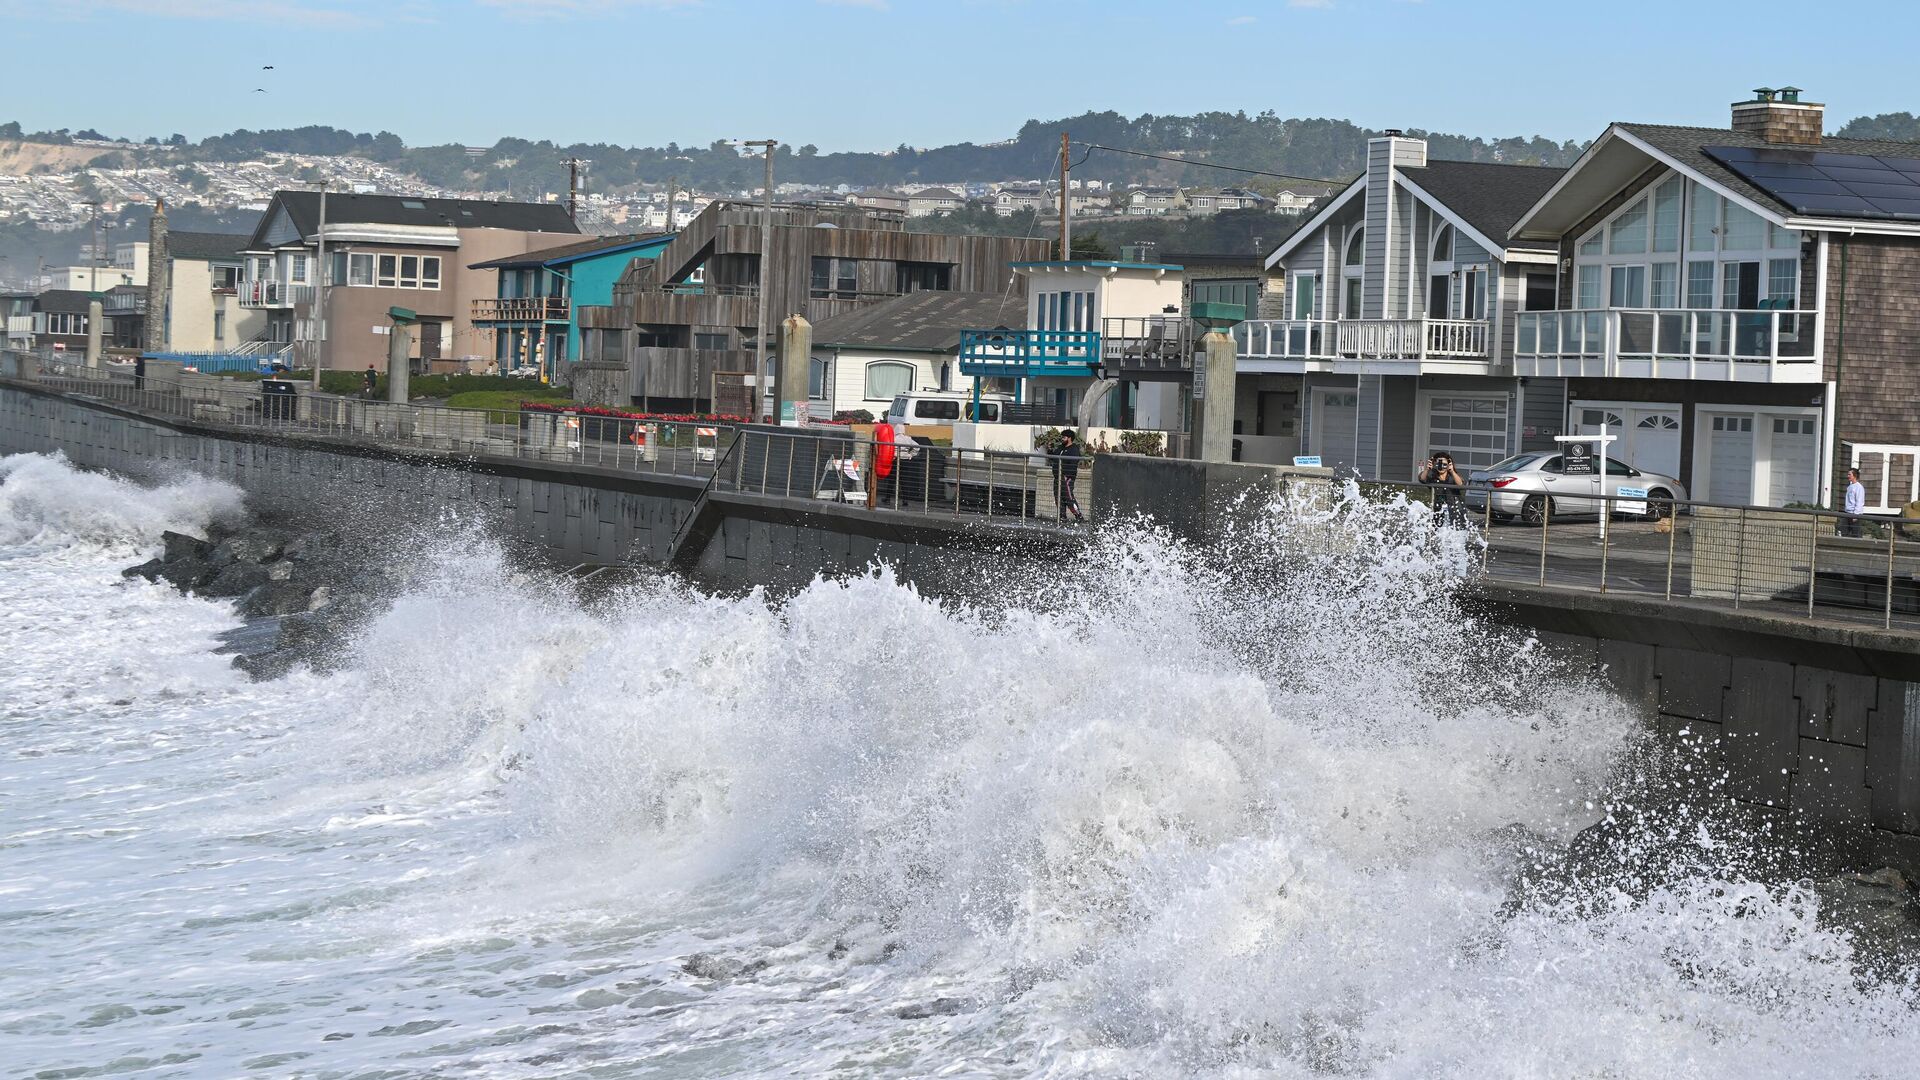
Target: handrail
column 1689, row 343
column 700, row 500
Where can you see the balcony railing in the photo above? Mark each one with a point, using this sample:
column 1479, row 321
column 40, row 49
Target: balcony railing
column 273, row 294
column 1147, row 344
column 1029, row 354
column 700, row 288
column 1320, row 344
column 521, row 309
column 1723, row 345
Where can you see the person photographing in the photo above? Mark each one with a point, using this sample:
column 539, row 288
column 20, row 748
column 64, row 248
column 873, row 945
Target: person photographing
column 1446, row 481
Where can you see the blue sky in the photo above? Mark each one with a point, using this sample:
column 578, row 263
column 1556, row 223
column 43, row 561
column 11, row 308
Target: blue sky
column 871, row 74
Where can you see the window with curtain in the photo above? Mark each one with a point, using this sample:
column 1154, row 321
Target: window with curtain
column 1628, row 233
column 1586, row 292
column 1666, row 285
column 1703, row 218
column 1666, row 215
column 1783, row 282
column 887, row 378
column 1744, row 230
column 359, row 269
column 1699, row 284
column 1591, row 245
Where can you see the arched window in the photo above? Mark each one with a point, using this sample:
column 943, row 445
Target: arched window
column 1443, row 245
column 1353, row 270
column 1356, row 248
column 887, row 378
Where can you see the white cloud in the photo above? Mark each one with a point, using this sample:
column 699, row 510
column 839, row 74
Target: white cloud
column 1243, row 20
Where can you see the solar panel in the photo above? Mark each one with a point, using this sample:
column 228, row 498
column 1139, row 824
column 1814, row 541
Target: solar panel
column 1823, row 183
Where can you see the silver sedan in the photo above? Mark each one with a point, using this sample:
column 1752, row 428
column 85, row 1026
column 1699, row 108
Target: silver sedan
column 1530, row 486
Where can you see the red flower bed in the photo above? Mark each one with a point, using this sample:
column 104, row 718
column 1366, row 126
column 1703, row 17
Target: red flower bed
column 618, row 414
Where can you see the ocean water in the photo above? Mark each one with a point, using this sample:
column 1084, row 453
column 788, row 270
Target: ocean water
column 1145, row 817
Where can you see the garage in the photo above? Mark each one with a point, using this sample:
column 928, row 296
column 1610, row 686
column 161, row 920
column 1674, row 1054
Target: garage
column 1649, row 434
column 1730, row 460
column 1793, row 460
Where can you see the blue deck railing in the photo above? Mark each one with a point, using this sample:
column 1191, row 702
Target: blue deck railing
column 213, row 363
column 1029, row 354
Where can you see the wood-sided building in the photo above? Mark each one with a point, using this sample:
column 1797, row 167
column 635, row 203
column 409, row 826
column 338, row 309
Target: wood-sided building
column 694, row 309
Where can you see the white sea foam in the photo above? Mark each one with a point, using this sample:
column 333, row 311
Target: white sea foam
column 1158, row 815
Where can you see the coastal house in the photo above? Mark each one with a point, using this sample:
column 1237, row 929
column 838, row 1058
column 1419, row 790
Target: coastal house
column 1739, row 303
column 1395, row 342
column 1058, row 357
column 693, row 311
column 60, row 320
column 1214, row 200
column 864, row 357
column 533, row 313
column 1153, row 201
column 204, row 272
column 384, row 252
column 934, row 202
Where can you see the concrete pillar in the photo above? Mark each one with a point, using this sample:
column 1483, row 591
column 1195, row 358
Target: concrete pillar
column 153, row 330
column 399, row 343
column 94, row 320
column 796, row 357
column 1213, row 393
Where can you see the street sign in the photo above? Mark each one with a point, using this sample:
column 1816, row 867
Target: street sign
column 1628, row 503
column 1307, row 461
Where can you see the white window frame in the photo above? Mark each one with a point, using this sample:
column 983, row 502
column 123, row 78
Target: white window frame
column 866, row 382
column 430, row 280
column 359, row 269
column 1311, row 281
column 386, row 270
column 1775, row 243
column 409, row 280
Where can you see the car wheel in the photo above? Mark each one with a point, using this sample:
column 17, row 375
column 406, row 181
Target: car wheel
column 1534, row 510
column 1659, row 504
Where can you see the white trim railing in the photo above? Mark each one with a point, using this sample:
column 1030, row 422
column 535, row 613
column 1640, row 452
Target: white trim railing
column 1412, row 340
column 1715, row 344
column 272, row 294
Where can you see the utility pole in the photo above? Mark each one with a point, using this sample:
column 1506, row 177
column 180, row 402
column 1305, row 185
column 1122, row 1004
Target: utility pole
column 1066, row 204
column 671, row 181
column 322, row 274
column 764, row 330
column 573, row 189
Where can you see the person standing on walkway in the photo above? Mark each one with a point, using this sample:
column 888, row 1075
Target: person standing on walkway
column 1856, row 504
column 1066, row 470
column 1446, row 481
column 373, row 379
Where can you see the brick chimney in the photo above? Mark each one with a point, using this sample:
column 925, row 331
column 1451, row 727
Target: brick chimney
column 1779, row 116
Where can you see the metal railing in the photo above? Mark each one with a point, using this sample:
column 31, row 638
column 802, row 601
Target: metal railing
column 1147, row 343
column 1029, row 353
column 1363, row 339
column 520, row 309
column 825, row 463
column 1793, row 563
column 1670, row 343
column 272, row 294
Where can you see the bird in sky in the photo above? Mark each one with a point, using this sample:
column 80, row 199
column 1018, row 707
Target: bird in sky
column 258, row 90
column 266, row 67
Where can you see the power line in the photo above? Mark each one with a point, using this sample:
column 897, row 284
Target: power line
column 1210, row 165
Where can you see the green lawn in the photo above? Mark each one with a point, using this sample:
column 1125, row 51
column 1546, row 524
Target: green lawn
column 500, row 404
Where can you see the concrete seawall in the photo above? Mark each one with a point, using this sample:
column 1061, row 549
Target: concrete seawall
column 577, row 514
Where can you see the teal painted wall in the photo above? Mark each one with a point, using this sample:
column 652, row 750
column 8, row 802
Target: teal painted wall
column 593, row 278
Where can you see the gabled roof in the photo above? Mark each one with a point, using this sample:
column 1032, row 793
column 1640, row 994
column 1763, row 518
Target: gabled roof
column 205, row 245
column 572, row 253
column 1490, row 197
column 1625, row 150
column 303, row 208
column 936, row 193
column 1483, row 196
column 925, row 321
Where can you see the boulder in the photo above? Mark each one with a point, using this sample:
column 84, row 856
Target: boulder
column 180, row 546
column 275, row 598
column 233, row 579
column 187, row 574
column 150, row 570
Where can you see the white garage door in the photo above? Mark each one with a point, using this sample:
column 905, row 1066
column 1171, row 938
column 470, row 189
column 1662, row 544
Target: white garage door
column 1730, row 467
column 1653, row 445
column 1794, row 461
column 1336, row 415
column 1471, row 428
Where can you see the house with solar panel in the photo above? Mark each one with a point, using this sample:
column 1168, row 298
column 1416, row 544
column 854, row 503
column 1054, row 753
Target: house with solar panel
column 1741, row 304
column 1402, row 297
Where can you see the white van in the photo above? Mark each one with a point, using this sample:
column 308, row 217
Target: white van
column 936, row 407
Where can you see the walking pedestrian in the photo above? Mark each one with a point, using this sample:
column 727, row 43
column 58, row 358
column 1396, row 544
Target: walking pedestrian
column 1856, row 504
column 1066, row 470
column 373, row 380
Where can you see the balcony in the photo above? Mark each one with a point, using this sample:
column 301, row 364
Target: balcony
column 521, row 309
column 272, row 294
column 1366, row 346
column 1030, row 354
column 1715, row 345
column 1152, row 348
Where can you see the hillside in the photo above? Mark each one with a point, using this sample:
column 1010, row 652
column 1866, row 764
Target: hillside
column 22, row 158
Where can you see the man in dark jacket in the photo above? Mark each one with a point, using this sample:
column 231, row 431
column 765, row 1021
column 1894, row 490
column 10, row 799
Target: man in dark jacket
column 373, row 379
column 1066, row 470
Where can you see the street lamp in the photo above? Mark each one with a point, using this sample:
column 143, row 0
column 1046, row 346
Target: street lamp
column 322, row 276
column 764, row 330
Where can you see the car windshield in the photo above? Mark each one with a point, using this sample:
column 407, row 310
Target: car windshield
column 1516, row 463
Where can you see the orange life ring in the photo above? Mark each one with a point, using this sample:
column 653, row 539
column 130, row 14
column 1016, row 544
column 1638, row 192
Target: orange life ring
column 883, row 450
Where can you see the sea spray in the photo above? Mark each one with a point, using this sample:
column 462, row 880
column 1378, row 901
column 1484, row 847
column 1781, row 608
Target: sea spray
column 1253, row 809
